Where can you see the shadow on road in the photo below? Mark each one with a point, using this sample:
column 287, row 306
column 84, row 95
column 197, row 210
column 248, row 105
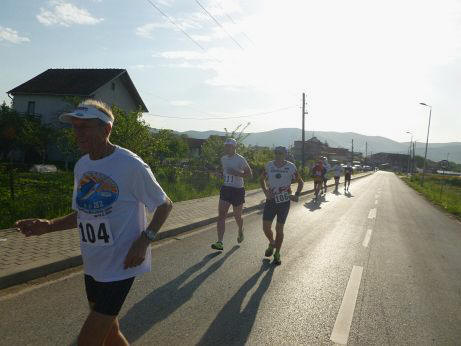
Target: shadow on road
column 166, row 299
column 233, row 326
column 315, row 204
column 348, row 194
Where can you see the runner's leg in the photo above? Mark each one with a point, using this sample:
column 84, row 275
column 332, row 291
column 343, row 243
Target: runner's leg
column 267, row 228
column 97, row 328
column 278, row 236
column 223, row 209
column 238, row 216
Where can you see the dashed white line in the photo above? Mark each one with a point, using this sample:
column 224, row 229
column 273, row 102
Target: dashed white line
column 342, row 326
column 367, row 238
column 372, row 213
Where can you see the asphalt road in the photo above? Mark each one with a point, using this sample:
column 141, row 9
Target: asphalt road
column 379, row 266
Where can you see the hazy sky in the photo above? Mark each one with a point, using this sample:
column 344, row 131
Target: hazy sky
column 364, row 65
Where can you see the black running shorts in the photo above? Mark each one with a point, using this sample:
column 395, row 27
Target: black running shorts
column 107, row 298
column 347, row 177
column 233, row 195
column 271, row 209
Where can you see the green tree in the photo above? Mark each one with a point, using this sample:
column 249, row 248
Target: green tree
column 131, row 132
column 65, row 140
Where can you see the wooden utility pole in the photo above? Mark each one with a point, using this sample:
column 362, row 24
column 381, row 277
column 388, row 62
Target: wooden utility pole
column 303, row 158
column 352, row 154
column 366, row 151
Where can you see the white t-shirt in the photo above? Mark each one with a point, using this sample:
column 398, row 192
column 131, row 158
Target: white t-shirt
column 111, row 196
column 337, row 170
column 236, row 162
column 279, row 179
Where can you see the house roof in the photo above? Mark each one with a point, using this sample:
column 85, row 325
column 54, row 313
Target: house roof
column 76, row 82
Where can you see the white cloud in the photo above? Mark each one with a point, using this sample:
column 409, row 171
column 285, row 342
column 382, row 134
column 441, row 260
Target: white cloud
column 10, row 35
column 147, row 30
column 65, row 14
column 180, row 103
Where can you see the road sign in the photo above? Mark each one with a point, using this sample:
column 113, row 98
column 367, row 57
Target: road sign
column 444, row 164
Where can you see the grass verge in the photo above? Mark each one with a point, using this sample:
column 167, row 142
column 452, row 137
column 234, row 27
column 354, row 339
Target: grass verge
column 444, row 191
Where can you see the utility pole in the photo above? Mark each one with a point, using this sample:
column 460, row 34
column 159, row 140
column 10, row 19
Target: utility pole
column 303, row 159
column 366, row 151
column 352, row 154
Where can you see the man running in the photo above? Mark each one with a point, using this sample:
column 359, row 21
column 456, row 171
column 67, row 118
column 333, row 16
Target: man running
column 112, row 188
column 326, row 169
column 235, row 168
column 347, row 177
column 337, row 170
column 317, row 174
column 276, row 182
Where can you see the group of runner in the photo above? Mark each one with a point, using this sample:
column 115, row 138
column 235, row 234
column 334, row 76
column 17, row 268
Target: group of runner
column 320, row 173
column 113, row 187
column 275, row 180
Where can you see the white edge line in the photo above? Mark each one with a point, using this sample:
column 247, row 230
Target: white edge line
column 372, row 213
column 367, row 238
column 341, row 329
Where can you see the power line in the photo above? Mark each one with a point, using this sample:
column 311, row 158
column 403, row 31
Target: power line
column 232, row 20
column 179, row 27
column 219, row 24
column 222, row 118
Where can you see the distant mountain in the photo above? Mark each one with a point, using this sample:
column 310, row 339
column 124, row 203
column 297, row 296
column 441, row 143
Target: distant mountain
column 375, row 144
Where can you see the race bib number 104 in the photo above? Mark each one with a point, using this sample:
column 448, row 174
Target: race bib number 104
column 95, row 232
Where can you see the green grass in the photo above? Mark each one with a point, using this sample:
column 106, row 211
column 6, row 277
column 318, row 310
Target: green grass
column 50, row 195
column 35, row 195
column 444, row 191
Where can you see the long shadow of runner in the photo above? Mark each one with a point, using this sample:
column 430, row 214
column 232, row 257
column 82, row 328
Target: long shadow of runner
column 232, row 326
column 165, row 300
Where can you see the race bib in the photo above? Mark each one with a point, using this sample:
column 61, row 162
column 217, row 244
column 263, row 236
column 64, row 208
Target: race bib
column 95, row 232
column 282, row 197
column 228, row 178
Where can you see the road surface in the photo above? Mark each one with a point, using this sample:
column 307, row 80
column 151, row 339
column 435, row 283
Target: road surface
column 378, row 266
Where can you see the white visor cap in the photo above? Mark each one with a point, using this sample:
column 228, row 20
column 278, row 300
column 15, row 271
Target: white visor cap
column 85, row 112
column 231, row 141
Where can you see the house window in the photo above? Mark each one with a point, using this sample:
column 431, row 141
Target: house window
column 112, row 86
column 31, row 107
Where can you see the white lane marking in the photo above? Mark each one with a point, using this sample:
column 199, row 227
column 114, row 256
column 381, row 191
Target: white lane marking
column 342, row 326
column 2, row 239
column 372, row 213
column 376, row 202
column 377, row 196
column 367, row 238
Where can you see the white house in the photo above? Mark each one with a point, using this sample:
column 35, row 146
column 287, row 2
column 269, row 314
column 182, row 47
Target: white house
column 46, row 95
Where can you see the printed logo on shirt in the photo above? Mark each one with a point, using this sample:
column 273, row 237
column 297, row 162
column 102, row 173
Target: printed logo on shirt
column 96, row 192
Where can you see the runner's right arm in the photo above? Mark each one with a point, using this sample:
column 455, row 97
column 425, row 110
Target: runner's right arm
column 262, row 182
column 37, row 227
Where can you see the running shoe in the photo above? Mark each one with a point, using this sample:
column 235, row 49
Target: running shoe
column 217, row 246
column 269, row 251
column 240, row 237
column 277, row 260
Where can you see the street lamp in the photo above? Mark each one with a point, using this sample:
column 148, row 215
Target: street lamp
column 427, row 139
column 409, row 151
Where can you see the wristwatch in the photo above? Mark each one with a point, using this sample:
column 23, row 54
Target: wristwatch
column 150, row 234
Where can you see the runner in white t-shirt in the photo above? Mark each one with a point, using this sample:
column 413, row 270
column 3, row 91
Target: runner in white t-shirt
column 337, row 170
column 234, row 169
column 112, row 189
column 276, row 183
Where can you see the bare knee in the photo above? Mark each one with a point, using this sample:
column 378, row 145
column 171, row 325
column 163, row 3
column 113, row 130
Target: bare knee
column 279, row 228
column 96, row 328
